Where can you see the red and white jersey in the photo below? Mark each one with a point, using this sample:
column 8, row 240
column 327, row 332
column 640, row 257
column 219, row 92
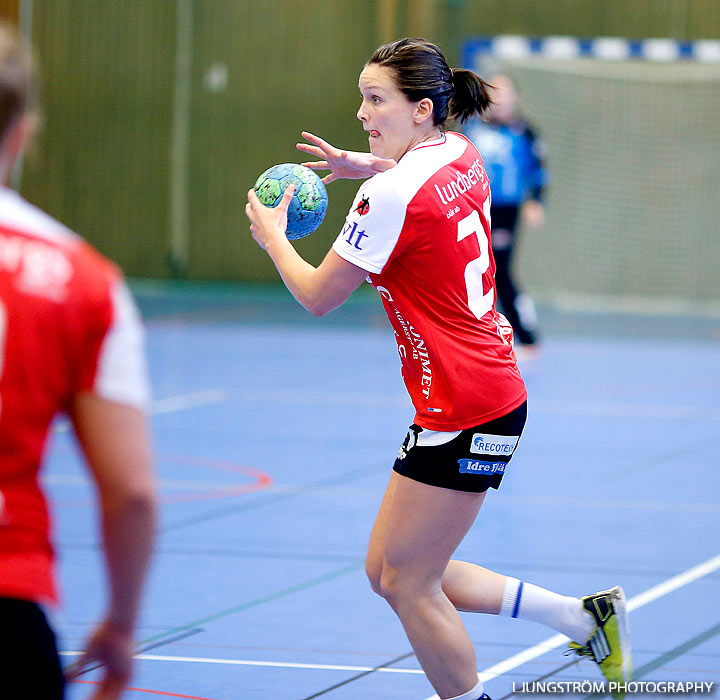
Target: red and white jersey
column 422, row 231
column 67, row 325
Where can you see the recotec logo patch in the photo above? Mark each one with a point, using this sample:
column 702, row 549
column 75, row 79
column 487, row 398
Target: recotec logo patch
column 484, row 444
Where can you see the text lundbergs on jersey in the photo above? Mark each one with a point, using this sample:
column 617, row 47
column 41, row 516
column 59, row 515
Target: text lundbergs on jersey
column 447, row 193
column 461, row 184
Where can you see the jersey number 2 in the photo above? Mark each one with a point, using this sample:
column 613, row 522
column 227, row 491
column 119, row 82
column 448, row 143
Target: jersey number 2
column 478, row 302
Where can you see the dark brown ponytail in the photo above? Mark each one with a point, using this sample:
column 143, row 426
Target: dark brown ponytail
column 472, row 95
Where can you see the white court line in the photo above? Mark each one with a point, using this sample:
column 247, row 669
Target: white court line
column 168, row 405
column 612, row 409
column 179, row 403
column 270, row 664
column 549, row 644
column 648, row 596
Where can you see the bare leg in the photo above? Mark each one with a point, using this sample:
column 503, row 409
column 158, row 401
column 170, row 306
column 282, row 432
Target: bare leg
column 473, row 588
column 408, row 564
column 374, row 558
column 416, row 532
column 469, row 587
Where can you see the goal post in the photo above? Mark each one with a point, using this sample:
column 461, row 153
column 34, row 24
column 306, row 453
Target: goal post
column 633, row 137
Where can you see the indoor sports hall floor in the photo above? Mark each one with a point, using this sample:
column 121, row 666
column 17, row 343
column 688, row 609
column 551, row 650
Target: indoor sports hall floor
column 275, row 433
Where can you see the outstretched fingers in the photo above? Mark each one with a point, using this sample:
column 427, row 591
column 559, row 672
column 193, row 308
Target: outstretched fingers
column 317, row 165
column 322, row 165
column 319, row 148
column 318, row 142
column 312, row 150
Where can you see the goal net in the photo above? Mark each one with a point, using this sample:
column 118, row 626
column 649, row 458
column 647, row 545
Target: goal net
column 633, row 205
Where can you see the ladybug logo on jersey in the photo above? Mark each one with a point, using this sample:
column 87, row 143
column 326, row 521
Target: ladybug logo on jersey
column 363, row 206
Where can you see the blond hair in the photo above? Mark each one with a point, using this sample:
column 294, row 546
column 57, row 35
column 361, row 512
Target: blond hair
column 17, row 78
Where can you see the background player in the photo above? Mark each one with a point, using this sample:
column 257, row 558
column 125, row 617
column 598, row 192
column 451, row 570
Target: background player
column 70, row 340
column 513, row 158
column 422, row 235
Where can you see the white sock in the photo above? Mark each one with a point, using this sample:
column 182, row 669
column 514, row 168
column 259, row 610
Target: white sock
column 473, row 694
column 562, row 613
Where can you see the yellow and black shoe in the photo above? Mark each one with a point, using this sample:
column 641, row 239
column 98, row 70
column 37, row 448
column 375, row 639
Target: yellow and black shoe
column 609, row 644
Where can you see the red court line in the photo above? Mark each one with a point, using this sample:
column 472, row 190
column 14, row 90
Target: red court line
column 261, row 480
column 154, row 692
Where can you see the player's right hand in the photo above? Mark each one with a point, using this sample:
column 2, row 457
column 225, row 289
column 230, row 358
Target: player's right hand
column 111, row 647
column 349, row 165
column 267, row 222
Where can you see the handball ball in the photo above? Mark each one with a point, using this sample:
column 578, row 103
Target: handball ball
column 309, row 203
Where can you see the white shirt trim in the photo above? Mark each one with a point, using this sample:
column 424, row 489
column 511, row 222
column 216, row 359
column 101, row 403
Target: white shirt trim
column 370, row 235
column 18, row 214
column 122, row 373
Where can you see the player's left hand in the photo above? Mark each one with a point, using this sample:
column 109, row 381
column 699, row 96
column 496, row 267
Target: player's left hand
column 112, row 647
column 268, row 222
column 350, row 165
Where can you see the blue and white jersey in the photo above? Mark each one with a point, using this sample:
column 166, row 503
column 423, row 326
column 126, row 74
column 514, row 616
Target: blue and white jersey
column 513, row 159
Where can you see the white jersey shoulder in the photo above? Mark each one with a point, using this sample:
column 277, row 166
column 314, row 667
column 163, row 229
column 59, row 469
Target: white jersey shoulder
column 122, row 374
column 19, row 215
column 377, row 216
column 423, row 161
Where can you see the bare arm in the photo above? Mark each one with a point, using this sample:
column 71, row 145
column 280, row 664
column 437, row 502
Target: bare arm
column 114, row 438
column 319, row 289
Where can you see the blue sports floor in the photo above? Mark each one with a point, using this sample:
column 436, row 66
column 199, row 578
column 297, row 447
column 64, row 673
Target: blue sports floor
column 274, row 435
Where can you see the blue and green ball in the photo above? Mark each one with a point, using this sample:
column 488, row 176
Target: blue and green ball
column 309, row 203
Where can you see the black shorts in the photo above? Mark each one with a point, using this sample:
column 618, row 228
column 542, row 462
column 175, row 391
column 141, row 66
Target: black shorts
column 29, row 662
column 473, row 459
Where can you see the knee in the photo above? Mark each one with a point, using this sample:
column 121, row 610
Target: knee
column 390, row 585
column 384, row 580
column 401, row 588
column 373, row 570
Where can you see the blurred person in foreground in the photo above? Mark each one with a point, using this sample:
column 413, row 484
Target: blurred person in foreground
column 70, row 340
column 513, row 156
